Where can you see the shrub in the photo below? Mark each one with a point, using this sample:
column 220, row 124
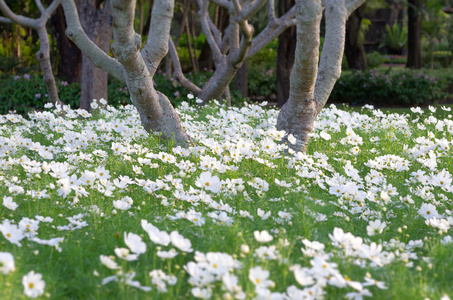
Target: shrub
column 441, row 59
column 395, row 59
column 374, row 59
column 444, row 77
column 406, row 87
column 262, row 82
column 23, row 93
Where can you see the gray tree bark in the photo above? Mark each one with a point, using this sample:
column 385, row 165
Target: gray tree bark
column 233, row 47
column 43, row 55
column 133, row 67
column 96, row 21
column 241, row 83
column 311, row 84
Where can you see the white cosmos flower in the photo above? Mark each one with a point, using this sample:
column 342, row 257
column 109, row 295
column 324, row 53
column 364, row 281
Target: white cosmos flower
column 54, row 242
column 180, row 242
column 263, row 236
column 440, row 224
column 260, row 184
column 262, row 214
column 282, row 183
column 9, row 203
column 123, row 204
column 33, row 284
column 259, row 277
column 6, row 263
column 292, row 139
column 11, row 232
column 428, row 211
column 135, row 243
column 155, row 235
column 208, row 182
column 245, row 248
column 325, row 135
column 203, row 293
column 375, row 227
column 109, row 262
column 167, row 254
column 303, row 276
column 124, row 253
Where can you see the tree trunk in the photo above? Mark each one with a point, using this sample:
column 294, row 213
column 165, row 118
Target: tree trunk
column 205, row 60
column 43, row 56
column 70, row 56
column 285, row 55
column 241, row 83
column 96, row 22
column 394, row 13
column 310, row 84
column 354, row 50
column 155, row 110
column 414, row 54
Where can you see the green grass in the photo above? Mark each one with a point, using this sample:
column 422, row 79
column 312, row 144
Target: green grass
column 312, row 209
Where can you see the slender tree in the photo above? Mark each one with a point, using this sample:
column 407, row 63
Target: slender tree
column 354, row 50
column 43, row 55
column 414, row 45
column 96, row 22
column 70, row 66
column 285, row 54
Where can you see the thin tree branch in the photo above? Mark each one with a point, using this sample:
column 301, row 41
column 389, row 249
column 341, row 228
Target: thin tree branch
column 186, row 83
column 272, row 31
column 237, row 6
column 157, row 44
column 49, row 11
column 223, row 3
column 237, row 57
column 233, row 33
column 252, row 9
column 5, row 20
column 215, row 31
column 203, row 14
column 52, row 7
column 271, row 10
column 76, row 34
column 21, row 20
column 40, row 7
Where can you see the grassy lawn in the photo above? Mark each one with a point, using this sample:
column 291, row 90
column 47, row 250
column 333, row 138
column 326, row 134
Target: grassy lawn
column 99, row 209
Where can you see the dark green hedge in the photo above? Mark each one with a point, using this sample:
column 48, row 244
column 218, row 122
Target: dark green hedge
column 392, row 87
